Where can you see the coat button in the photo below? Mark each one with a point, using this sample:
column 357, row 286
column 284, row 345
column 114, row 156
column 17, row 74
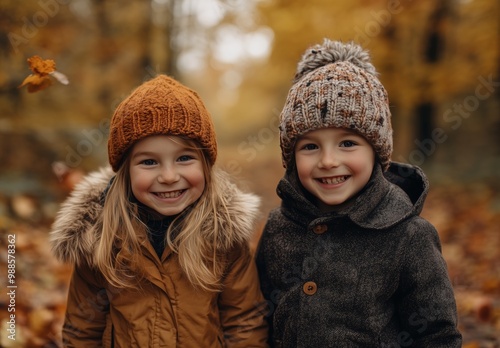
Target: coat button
column 320, row 229
column 310, row 288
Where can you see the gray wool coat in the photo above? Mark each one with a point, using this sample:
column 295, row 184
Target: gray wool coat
column 371, row 275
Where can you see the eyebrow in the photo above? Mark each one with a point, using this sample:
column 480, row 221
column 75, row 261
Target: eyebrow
column 343, row 133
column 350, row 133
column 144, row 153
column 152, row 153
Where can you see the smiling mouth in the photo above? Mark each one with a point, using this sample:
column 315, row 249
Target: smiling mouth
column 171, row 194
column 334, row 180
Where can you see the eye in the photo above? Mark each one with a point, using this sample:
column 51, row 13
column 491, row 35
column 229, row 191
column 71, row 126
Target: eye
column 148, row 162
column 348, row 143
column 309, row 147
column 185, row 158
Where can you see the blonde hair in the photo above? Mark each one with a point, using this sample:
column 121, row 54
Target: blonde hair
column 196, row 235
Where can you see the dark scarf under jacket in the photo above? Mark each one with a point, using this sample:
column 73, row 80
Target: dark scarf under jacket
column 369, row 275
column 157, row 224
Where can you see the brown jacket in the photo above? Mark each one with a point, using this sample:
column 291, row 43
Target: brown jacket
column 166, row 311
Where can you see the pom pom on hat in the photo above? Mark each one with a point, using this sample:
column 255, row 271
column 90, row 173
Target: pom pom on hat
column 333, row 52
column 336, row 85
column 160, row 106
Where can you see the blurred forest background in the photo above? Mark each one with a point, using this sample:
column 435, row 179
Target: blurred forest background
column 439, row 60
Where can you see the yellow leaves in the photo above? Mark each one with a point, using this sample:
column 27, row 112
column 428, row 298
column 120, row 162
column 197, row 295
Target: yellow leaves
column 43, row 70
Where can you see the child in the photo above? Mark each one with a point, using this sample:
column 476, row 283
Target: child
column 347, row 261
column 161, row 248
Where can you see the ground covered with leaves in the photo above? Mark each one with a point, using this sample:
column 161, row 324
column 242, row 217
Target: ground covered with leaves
column 467, row 218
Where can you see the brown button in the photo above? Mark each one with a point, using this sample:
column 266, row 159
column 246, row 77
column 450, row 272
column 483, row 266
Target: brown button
column 320, row 229
column 310, row 288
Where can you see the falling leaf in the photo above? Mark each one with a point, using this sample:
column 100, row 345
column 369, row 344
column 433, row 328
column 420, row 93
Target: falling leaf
column 40, row 66
column 36, row 83
column 42, row 69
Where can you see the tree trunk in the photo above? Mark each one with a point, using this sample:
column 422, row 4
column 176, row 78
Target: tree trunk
column 435, row 46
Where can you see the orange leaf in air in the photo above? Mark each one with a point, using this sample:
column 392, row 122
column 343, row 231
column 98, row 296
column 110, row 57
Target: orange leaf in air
column 40, row 66
column 36, row 83
column 40, row 79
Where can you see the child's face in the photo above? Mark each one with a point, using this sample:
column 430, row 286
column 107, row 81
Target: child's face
column 333, row 164
column 166, row 173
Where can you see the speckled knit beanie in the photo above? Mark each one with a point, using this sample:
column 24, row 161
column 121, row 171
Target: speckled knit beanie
column 160, row 106
column 336, row 86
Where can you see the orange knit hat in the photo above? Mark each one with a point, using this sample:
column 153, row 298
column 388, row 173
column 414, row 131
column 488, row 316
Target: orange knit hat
column 160, row 106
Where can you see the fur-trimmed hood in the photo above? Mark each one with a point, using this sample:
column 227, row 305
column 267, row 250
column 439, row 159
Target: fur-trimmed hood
column 73, row 239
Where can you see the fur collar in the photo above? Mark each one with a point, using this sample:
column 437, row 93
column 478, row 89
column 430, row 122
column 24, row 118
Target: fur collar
column 73, row 239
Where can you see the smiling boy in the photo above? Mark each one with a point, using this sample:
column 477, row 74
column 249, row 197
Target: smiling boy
column 347, row 261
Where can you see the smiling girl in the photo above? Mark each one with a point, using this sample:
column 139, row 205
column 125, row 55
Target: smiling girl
column 160, row 243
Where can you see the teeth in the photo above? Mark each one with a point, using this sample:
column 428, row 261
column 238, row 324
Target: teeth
column 335, row 180
column 172, row 194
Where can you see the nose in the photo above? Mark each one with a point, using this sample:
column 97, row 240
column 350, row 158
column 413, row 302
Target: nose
column 329, row 159
column 168, row 175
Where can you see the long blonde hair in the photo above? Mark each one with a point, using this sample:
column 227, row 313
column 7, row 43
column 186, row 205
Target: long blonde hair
column 196, row 235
